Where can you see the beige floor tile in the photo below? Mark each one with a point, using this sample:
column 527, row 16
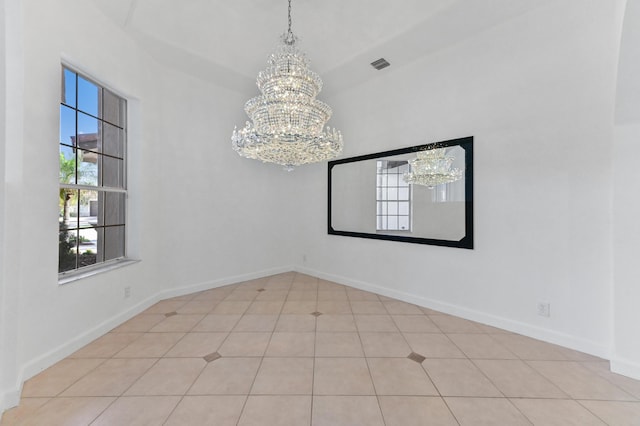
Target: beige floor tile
column 302, row 295
column 265, row 307
column 218, row 410
column 111, row 378
column 226, row 376
column 106, row 346
column 278, row 285
column 342, row 376
column 530, row 349
column 346, row 411
column 429, row 311
column 276, row 410
column 556, row 412
column 296, row 322
column 305, row 286
column 329, row 285
column 451, row 324
column 18, row 415
column 415, row 411
column 184, row 297
column 486, row 412
column 402, row 308
column 217, row 322
column 368, row 307
column 177, row 323
column 250, row 322
column 58, row 377
column 627, row 384
column 256, row 284
column 384, row 344
column 375, row 323
column 138, row 411
column 196, row 345
column 197, row 307
column 67, row 411
column 284, row 376
column 217, row 294
column 245, row 344
column 240, row 295
column 336, row 322
column 299, row 277
column 139, row 324
column 480, row 346
column 361, row 296
column 332, row 295
column 433, row 345
column 459, row 377
column 515, row 378
column 488, row 375
column 150, row 345
column 415, row 324
column 231, row 307
column 616, row 413
column 578, row 381
column 272, row 296
column 338, row 345
column 573, row 355
column 286, row 344
column 165, row 306
column 303, row 307
column 169, row 376
column 399, row 376
column 334, row 307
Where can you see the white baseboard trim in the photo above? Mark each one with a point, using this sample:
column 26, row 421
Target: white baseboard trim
column 551, row 336
column 11, row 397
column 208, row 285
column 625, row 367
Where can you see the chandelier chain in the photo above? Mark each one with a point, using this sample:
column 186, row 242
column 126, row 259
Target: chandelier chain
column 289, row 32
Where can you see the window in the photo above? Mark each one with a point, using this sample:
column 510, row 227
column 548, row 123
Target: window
column 393, row 196
column 92, row 174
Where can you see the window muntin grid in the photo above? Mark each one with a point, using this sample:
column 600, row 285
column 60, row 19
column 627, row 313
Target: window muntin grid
column 92, row 150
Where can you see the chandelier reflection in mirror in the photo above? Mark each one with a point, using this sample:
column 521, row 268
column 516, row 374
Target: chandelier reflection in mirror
column 431, row 168
column 287, row 121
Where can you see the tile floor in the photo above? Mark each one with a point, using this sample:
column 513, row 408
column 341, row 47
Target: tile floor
column 295, row 350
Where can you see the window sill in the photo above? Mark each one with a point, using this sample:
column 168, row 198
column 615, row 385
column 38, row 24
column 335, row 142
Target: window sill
column 69, row 277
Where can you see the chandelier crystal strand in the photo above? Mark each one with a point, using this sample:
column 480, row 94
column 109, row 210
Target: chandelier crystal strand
column 287, row 124
column 431, row 168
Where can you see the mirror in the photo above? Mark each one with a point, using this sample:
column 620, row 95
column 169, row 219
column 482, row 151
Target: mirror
column 422, row 194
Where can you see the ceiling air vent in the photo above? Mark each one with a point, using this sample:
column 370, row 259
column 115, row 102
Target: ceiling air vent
column 380, row 63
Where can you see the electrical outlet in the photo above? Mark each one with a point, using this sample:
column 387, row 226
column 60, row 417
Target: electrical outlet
column 127, row 292
column 544, row 309
column 304, row 258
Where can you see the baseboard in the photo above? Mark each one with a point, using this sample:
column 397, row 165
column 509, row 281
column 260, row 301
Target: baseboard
column 207, row 285
column 625, row 367
column 11, row 397
column 551, row 336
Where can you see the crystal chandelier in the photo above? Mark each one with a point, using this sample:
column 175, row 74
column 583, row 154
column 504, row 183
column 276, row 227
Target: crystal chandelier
column 432, row 168
column 287, row 121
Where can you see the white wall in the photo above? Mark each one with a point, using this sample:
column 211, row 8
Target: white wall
column 626, row 200
column 537, row 95
column 199, row 215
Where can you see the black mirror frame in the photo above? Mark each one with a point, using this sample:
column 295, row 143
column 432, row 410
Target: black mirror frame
column 466, row 242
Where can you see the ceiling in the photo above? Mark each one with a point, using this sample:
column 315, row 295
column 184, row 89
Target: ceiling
column 229, row 41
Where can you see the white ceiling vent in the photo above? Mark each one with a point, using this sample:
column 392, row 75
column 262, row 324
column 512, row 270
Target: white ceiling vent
column 380, row 64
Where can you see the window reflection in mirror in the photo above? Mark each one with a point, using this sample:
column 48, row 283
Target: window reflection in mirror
column 421, row 194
